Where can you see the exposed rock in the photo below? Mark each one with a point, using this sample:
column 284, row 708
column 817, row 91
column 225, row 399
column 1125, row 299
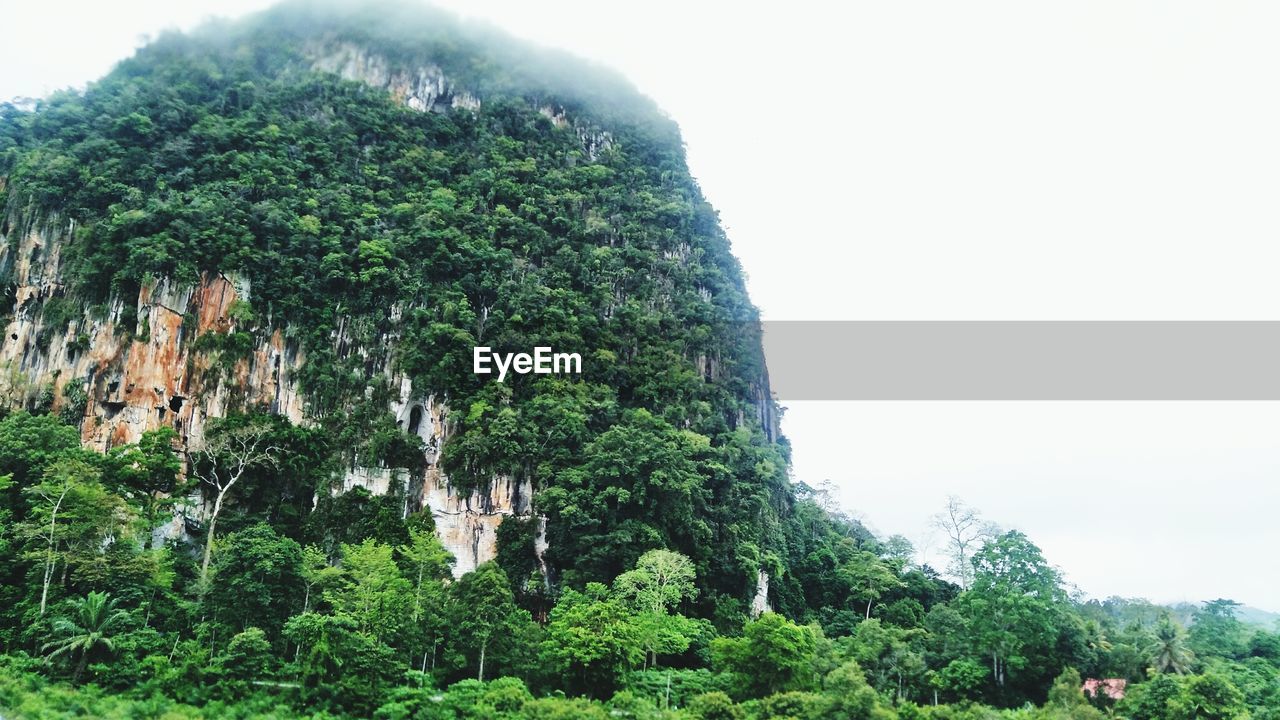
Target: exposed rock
column 760, row 603
column 141, row 372
column 137, row 359
column 425, row 87
column 422, row 88
column 467, row 524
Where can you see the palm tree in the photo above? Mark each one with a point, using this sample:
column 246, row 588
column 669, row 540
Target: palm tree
column 1168, row 649
column 91, row 626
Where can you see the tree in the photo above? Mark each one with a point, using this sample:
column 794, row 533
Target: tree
column 960, row 679
column 1013, row 609
column 965, row 532
column 29, row 443
column 257, row 574
column 1067, row 695
column 483, row 609
column 1216, row 631
column 853, row 697
column 230, row 450
column 714, row 705
column 94, row 622
column 6, row 517
column 16, row 387
column 371, row 589
column 426, row 560
column 317, row 574
column 338, row 664
column 1167, row 651
column 1151, row 700
column 149, row 473
column 661, row 580
column 868, row 578
column 637, row 487
column 592, row 640
column 247, row 657
column 1207, row 697
column 887, row 655
column 52, row 493
column 71, row 518
column 773, row 655
column 428, row 564
column 899, row 552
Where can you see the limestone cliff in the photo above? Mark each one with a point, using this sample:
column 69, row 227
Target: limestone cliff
column 140, row 367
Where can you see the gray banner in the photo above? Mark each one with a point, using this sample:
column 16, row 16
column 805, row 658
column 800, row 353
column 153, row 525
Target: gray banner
column 1024, row 360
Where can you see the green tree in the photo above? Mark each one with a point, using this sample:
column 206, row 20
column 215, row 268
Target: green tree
column 1207, row 697
column 426, row 562
column 318, row 574
column 29, row 443
column 852, row 697
column 715, row 706
column 1215, row 630
column 231, row 449
column 72, row 519
column 960, row 679
column 371, row 589
column 773, row 655
column 339, row 666
column 1014, row 610
column 247, row 658
column 868, row 578
column 659, row 583
column 257, row 576
column 482, row 610
column 1167, row 650
column 592, row 640
column 889, row 656
column 92, row 626
column 638, row 486
column 149, row 474
column 1067, row 696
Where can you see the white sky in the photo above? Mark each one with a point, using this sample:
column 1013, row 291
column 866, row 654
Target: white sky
column 1104, row 159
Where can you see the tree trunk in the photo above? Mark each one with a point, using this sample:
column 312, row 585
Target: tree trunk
column 48, row 561
column 208, row 543
column 84, row 660
column 483, row 645
column 417, row 596
column 869, row 609
column 48, row 578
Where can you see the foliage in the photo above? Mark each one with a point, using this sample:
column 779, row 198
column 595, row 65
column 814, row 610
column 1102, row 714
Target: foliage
column 773, row 655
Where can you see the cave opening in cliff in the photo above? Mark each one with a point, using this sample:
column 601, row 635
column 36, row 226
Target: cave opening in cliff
column 175, row 403
column 415, row 419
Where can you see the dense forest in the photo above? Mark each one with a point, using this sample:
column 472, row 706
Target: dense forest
column 670, row 567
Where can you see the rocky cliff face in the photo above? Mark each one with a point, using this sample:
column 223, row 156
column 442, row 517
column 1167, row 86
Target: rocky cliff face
column 134, row 357
column 140, row 368
column 421, row 88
